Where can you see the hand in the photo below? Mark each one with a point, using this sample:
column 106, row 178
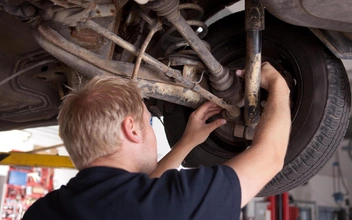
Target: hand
column 269, row 76
column 197, row 130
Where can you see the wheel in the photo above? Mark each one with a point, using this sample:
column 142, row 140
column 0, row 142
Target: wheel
column 320, row 99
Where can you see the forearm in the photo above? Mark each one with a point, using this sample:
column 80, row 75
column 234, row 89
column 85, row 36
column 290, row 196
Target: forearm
column 196, row 132
column 261, row 162
column 173, row 159
column 273, row 130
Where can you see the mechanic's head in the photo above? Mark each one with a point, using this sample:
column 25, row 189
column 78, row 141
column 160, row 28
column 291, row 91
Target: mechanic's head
column 94, row 117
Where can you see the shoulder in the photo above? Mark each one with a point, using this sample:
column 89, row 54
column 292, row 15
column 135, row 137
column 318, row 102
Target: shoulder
column 203, row 180
column 41, row 207
column 214, row 173
column 207, row 192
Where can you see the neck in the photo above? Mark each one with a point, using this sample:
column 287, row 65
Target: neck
column 116, row 161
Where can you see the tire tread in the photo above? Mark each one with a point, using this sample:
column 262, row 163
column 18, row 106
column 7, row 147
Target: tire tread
column 322, row 146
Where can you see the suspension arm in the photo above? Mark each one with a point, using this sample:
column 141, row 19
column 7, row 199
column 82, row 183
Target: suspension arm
column 233, row 110
column 46, row 36
column 151, row 84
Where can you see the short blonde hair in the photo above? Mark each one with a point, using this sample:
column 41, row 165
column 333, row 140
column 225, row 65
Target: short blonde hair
column 90, row 117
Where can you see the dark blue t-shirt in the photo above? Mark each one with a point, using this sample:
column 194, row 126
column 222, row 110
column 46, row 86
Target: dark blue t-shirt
column 108, row 193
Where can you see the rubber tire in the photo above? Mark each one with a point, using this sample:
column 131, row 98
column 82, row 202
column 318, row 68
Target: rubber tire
column 320, row 115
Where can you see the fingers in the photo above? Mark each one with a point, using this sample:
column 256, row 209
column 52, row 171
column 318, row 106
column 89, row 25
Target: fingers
column 205, row 106
column 265, row 63
column 211, row 113
column 202, row 110
column 268, row 74
column 215, row 124
column 240, row 73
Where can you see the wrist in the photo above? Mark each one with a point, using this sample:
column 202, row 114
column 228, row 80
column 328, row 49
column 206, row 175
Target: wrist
column 185, row 143
column 279, row 86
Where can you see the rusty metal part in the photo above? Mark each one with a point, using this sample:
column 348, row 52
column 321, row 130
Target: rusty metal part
column 170, row 93
column 66, row 14
column 242, row 131
column 249, row 133
column 103, row 10
column 192, row 6
column 60, row 41
column 172, row 48
column 153, row 30
column 168, row 34
column 162, row 90
column 83, row 60
column 233, row 109
column 87, row 38
column 71, row 20
column 169, row 9
column 233, row 94
column 181, row 60
column 238, row 130
column 114, row 66
column 254, row 12
column 254, row 26
column 144, row 16
column 131, row 29
column 64, row 3
column 178, row 45
column 107, row 51
column 134, row 50
column 131, row 48
column 189, row 72
column 81, row 65
column 72, row 15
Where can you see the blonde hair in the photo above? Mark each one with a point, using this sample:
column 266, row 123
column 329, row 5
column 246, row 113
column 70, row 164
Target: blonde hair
column 90, row 117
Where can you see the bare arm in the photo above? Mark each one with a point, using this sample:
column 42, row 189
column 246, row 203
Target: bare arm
column 264, row 159
column 197, row 131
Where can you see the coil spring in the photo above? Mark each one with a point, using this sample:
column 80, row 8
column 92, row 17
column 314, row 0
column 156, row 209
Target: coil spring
column 179, row 48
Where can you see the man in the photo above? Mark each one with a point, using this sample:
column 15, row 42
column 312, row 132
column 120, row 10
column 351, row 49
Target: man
column 105, row 128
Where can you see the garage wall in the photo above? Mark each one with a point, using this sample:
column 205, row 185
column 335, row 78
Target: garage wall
column 319, row 189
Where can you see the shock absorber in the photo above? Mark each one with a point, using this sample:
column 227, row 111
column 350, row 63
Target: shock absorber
column 254, row 27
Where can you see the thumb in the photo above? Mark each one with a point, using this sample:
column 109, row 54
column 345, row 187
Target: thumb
column 240, row 73
column 215, row 124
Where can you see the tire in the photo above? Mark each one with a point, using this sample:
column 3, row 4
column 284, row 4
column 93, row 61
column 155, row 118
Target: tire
column 320, row 99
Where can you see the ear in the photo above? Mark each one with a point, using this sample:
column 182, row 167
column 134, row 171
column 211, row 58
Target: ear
column 131, row 129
